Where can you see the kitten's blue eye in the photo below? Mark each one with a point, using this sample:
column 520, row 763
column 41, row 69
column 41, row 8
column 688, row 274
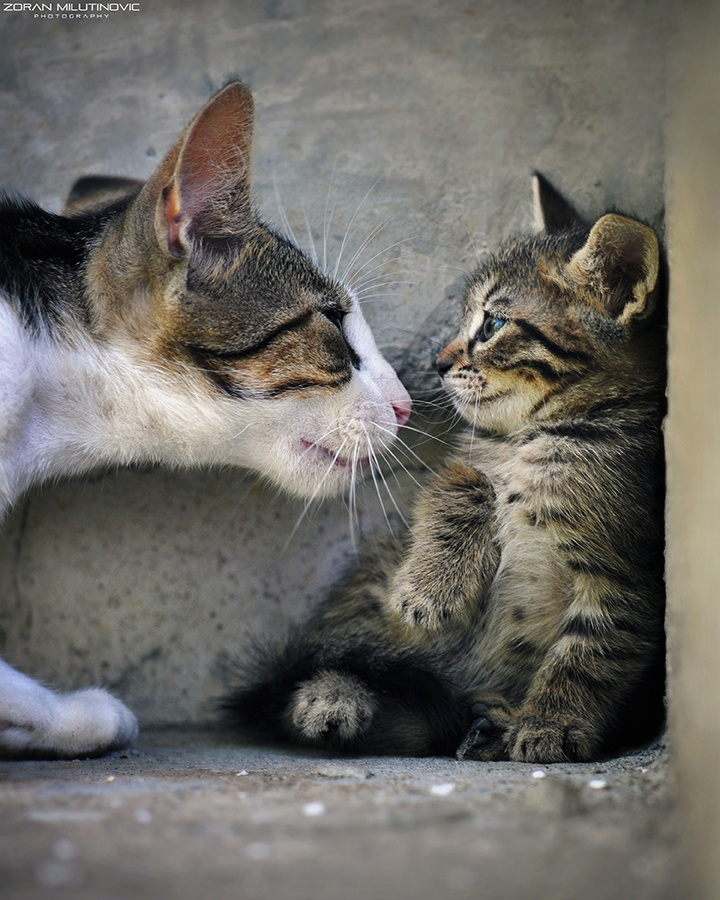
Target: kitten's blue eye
column 491, row 326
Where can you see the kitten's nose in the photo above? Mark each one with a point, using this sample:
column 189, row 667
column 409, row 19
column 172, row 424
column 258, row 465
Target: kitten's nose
column 447, row 358
column 402, row 410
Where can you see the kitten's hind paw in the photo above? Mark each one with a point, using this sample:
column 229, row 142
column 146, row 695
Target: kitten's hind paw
column 499, row 732
column 483, row 741
column 332, row 708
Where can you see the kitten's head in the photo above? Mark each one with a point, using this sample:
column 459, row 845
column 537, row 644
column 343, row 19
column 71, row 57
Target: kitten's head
column 557, row 322
column 268, row 362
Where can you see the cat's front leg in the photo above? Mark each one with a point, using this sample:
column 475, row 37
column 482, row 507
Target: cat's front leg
column 452, row 554
column 38, row 723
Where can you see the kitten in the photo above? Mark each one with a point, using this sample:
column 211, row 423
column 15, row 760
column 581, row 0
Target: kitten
column 165, row 323
column 522, row 615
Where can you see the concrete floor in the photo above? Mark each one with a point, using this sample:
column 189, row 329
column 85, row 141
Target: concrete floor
column 150, row 582
column 190, row 814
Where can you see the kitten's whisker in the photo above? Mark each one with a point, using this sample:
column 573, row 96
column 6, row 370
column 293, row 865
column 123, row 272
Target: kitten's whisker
column 242, row 430
column 368, row 277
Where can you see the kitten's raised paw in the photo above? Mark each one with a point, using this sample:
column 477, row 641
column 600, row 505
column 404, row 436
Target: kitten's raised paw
column 331, row 708
column 430, row 612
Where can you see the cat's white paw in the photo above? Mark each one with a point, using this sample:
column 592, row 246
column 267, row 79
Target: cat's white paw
column 35, row 722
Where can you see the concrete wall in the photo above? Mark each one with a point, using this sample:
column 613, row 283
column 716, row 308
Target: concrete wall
column 149, row 581
column 693, row 439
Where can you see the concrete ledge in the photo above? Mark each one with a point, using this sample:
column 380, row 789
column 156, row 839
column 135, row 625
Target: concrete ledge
column 193, row 813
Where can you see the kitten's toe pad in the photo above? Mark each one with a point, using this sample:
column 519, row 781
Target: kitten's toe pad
column 331, row 707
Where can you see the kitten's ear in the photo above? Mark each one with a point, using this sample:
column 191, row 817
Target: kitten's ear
column 210, row 176
column 619, row 267
column 552, row 211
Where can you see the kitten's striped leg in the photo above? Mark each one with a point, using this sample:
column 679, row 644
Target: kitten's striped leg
column 609, row 638
column 37, row 723
column 452, row 555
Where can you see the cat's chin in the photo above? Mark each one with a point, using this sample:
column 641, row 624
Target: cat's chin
column 332, row 459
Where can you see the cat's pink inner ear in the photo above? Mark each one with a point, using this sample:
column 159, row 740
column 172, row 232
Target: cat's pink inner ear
column 214, row 162
column 619, row 264
column 175, row 220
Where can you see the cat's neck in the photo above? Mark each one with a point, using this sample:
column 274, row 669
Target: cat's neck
column 43, row 259
column 78, row 405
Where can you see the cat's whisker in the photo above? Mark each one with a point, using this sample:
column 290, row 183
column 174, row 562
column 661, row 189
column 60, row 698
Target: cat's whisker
column 361, row 249
column 375, row 465
column 326, row 220
column 424, row 434
column 311, row 239
column 314, row 496
column 242, row 430
column 375, row 256
column 384, row 279
column 283, row 215
column 376, row 298
column 382, row 266
column 371, row 289
column 388, row 451
column 350, row 224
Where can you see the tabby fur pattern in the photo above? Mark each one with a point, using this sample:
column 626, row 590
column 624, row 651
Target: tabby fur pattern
column 521, row 615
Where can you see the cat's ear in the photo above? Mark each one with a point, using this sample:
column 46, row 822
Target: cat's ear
column 552, row 211
column 210, row 177
column 619, row 267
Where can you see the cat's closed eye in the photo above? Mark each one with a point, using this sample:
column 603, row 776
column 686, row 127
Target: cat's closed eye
column 335, row 316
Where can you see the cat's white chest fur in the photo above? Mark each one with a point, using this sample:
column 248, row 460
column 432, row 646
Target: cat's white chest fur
column 16, row 400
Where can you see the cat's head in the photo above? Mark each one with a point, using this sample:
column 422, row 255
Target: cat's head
column 557, row 322
column 263, row 360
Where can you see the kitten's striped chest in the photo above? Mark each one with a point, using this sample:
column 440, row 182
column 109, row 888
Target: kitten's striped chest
column 530, row 591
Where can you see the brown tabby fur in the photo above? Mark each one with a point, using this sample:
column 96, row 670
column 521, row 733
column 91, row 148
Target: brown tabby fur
column 522, row 615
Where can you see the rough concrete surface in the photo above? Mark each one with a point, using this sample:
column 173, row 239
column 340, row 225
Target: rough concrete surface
column 415, row 124
column 192, row 814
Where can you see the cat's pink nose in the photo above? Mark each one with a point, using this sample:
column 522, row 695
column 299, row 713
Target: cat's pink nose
column 402, row 410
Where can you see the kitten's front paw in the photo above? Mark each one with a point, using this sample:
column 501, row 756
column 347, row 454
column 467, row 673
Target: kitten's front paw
column 541, row 740
column 331, row 708
column 427, row 610
column 498, row 732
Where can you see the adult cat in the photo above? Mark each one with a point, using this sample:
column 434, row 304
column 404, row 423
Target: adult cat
column 173, row 326
column 521, row 617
